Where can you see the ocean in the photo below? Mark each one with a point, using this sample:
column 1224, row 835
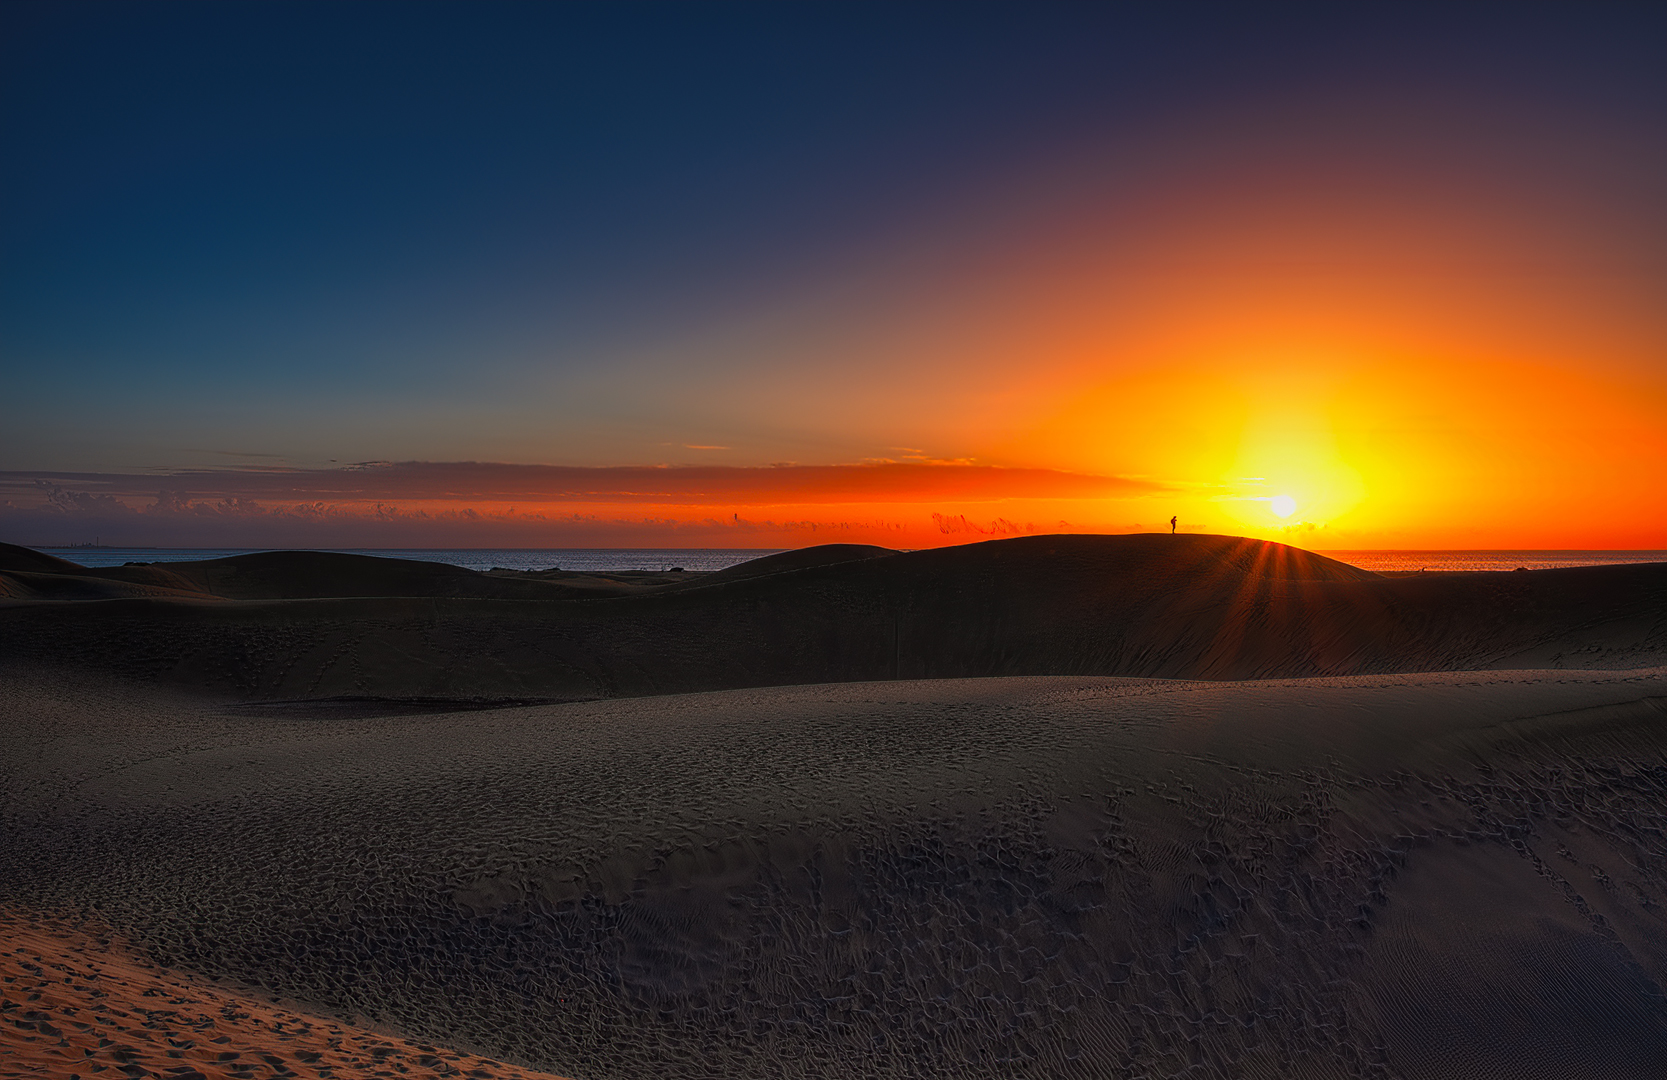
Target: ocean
column 720, row 558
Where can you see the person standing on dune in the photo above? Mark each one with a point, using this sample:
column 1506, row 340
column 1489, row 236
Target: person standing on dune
column 1172, row 525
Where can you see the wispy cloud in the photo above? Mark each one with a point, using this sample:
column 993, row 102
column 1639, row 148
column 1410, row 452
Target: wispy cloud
column 684, row 485
column 414, row 503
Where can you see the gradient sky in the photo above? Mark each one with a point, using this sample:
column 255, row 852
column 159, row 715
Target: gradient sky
column 767, row 275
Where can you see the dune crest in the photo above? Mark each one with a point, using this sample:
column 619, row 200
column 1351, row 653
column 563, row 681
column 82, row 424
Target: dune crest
column 295, row 625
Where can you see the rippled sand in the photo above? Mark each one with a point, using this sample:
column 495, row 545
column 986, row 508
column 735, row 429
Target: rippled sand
column 79, row 1004
column 1451, row 875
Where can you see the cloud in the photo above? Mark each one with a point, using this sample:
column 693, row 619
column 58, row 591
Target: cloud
column 239, row 491
column 378, row 504
column 951, row 524
column 63, row 501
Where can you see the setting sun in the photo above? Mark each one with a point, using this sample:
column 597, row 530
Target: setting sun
column 1391, row 322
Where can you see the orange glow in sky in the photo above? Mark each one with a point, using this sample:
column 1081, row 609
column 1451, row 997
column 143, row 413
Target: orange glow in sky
column 1338, row 366
column 1361, row 285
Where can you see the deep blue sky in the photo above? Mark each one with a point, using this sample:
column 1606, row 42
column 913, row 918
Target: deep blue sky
column 588, row 234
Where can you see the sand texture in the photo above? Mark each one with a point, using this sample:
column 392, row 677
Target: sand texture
column 1441, row 875
column 76, row 1004
column 293, row 625
column 1058, row 807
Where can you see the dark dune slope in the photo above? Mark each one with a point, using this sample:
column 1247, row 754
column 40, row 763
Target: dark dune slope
column 802, row 559
column 314, row 575
column 34, row 575
column 19, row 585
column 28, row 560
column 1194, row 606
column 1412, row 877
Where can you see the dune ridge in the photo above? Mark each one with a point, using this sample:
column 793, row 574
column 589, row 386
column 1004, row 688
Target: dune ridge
column 1148, row 606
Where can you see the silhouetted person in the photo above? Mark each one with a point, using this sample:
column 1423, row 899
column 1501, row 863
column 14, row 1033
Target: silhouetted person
column 1172, row 525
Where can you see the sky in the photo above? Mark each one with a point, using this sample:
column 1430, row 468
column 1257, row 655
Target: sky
column 767, row 275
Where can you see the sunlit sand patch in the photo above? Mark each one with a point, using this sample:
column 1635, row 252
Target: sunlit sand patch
column 75, row 1003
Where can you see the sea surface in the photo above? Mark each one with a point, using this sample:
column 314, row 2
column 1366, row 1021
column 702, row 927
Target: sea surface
column 720, row 558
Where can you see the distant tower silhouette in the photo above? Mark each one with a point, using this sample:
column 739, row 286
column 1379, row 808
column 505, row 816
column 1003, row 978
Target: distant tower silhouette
column 1172, row 525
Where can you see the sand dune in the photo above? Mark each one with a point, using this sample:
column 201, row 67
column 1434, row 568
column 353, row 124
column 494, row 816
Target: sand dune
column 1452, row 875
column 304, row 575
column 364, row 816
column 306, row 625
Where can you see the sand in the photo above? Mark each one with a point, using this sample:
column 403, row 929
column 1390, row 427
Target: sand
column 78, row 1004
column 1413, row 874
column 1441, row 875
